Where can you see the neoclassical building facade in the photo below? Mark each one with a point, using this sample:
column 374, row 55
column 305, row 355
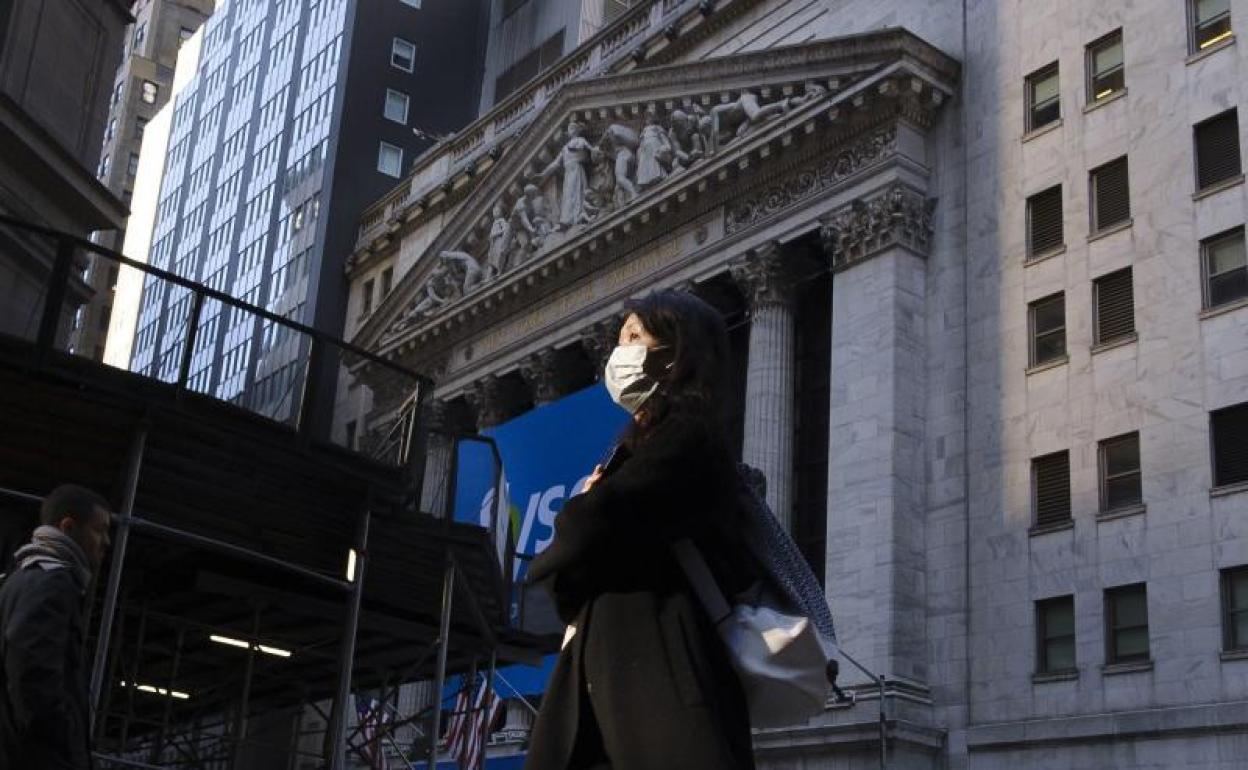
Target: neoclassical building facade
column 854, row 185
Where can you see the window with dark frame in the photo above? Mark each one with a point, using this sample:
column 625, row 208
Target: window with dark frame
column 1055, row 635
column 1047, row 319
column 1106, row 73
column 1225, row 265
column 1044, row 222
column 387, row 281
column 1229, row 433
column 1043, row 94
column 1120, row 473
column 1217, row 149
column 367, row 306
column 1126, row 624
column 1110, row 195
column 1235, row 609
column 1210, row 23
column 1114, row 298
column 1050, row 479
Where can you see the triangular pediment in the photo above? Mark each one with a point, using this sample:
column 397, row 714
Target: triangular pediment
column 609, row 154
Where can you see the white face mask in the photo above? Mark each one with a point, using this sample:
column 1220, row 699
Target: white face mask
column 626, row 379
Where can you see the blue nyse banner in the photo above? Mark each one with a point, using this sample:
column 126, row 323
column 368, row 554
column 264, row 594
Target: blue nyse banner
column 547, row 454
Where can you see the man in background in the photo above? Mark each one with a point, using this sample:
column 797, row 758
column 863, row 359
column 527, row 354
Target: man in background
column 44, row 717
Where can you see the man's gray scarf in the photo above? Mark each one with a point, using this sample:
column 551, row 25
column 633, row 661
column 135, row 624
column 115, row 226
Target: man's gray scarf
column 782, row 564
column 50, row 548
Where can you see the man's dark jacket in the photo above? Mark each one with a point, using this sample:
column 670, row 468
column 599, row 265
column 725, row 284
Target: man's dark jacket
column 646, row 663
column 43, row 706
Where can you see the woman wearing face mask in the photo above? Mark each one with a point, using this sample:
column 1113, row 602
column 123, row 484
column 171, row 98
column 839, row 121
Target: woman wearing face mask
column 643, row 681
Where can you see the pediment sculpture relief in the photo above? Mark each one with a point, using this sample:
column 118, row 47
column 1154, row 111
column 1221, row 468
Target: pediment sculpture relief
column 598, row 163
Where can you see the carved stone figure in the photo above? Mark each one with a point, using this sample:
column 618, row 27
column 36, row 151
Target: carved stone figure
column 703, row 126
column 500, row 242
column 654, row 153
column 524, row 233
column 573, row 162
column 811, row 92
column 463, row 267
column 687, row 143
column 619, row 141
column 438, row 289
column 745, row 113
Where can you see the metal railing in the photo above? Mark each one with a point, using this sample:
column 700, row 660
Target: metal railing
column 306, row 360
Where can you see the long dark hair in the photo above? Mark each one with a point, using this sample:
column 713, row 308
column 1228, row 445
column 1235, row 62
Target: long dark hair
column 696, row 342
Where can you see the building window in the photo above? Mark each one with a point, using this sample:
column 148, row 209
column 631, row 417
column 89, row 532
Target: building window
column 132, row 166
column 140, row 124
column 1229, row 427
column 413, row 3
column 403, row 54
column 396, row 106
column 1210, row 23
column 1048, row 329
column 511, row 6
column 116, row 97
column 533, row 63
column 140, row 34
column 1126, row 624
column 1217, row 150
column 1055, row 635
column 367, row 295
column 111, row 130
column 390, row 160
column 1050, row 478
column 1226, row 268
column 351, row 435
column 1044, row 222
column 1111, row 195
column 1235, row 609
column 1114, row 297
column 1044, row 104
column 1120, row 472
column 102, row 171
column 149, row 92
column 387, row 281
column 1106, row 76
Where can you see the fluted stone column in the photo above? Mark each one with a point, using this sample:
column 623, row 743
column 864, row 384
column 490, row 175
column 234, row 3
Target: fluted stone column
column 770, row 374
column 540, row 372
column 437, row 458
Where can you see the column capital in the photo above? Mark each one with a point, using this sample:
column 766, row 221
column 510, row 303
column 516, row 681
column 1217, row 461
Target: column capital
column 598, row 340
column 763, row 275
column 540, row 371
column 485, row 396
column 435, row 415
column 898, row 216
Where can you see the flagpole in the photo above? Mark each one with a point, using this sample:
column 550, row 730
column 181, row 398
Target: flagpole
column 516, row 692
column 485, row 716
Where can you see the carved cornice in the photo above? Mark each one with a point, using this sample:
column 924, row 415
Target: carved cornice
column 763, row 276
column 830, row 117
column 897, row 216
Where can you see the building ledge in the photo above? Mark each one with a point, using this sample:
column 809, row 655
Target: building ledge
column 1229, row 307
column 1044, row 255
column 1046, row 677
column 1126, row 339
column 1047, row 365
column 1214, row 189
column 1122, row 513
column 1047, row 128
column 1108, row 231
column 1044, row 529
column 1211, row 50
column 1227, row 490
column 1133, row 667
column 1115, row 96
column 1227, row 656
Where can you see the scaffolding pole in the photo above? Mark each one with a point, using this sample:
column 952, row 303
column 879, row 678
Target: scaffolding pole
column 100, row 665
column 439, row 681
column 336, row 755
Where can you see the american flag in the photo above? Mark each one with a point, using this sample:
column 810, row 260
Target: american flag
column 468, row 743
column 458, row 720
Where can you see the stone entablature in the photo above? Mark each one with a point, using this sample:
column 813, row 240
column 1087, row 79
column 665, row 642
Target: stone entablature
column 756, row 112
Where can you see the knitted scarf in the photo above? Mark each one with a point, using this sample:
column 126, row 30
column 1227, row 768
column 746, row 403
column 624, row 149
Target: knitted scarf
column 50, row 548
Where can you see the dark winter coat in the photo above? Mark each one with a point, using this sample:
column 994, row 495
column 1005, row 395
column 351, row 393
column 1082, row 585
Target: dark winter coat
column 44, row 721
column 655, row 675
